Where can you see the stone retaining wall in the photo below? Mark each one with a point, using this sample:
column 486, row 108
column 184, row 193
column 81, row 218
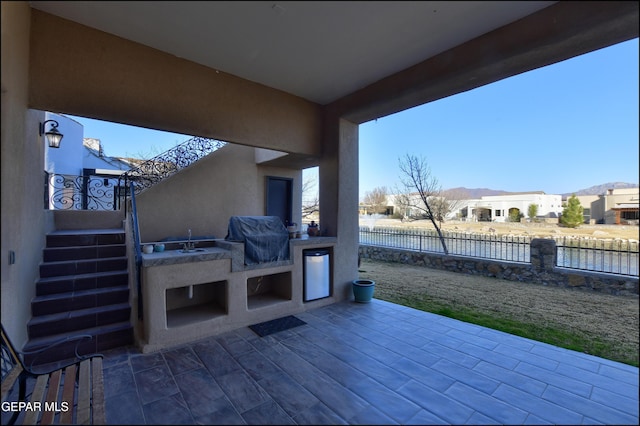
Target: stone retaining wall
column 541, row 270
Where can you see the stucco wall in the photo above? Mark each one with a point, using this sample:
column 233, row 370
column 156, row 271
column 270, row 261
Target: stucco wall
column 102, row 76
column 24, row 220
column 204, row 196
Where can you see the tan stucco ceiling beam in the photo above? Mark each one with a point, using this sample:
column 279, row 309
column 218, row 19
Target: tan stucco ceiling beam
column 556, row 33
column 78, row 70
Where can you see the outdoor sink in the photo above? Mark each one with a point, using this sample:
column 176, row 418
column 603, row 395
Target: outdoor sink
column 191, row 250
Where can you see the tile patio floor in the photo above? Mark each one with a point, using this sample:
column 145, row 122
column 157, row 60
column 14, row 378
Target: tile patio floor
column 376, row 363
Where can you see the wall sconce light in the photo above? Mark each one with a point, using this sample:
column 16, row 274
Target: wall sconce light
column 53, row 135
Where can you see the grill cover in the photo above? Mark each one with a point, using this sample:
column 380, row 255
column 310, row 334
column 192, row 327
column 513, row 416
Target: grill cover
column 265, row 238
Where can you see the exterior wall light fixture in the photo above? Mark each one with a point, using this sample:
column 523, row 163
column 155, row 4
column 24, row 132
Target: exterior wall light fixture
column 53, row 135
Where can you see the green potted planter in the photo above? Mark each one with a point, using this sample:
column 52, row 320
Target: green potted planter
column 363, row 290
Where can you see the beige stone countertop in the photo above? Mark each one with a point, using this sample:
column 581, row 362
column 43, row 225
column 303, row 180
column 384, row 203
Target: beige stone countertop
column 171, row 257
column 307, row 240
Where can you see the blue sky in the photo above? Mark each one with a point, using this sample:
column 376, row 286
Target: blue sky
column 557, row 129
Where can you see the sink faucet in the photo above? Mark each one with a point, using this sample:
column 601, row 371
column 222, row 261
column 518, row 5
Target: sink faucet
column 189, row 245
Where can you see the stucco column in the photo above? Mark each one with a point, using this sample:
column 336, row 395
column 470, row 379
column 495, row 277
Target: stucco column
column 338, row 177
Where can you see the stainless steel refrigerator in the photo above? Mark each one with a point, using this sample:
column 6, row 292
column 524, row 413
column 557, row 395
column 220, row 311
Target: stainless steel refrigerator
column 317, row 274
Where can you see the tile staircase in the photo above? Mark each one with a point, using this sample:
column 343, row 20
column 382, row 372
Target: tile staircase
column 83, row 289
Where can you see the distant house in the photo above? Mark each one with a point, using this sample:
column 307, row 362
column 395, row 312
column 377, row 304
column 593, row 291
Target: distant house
column 498, row 208
column 94, row 158
column 619, row 206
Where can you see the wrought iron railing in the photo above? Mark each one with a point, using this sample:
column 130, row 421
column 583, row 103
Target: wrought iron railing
column 610, row 256
column 133, row 221
column 152, row 171
column 90, row 191
column 500, row 247
column 615, row 256
column 107, row 191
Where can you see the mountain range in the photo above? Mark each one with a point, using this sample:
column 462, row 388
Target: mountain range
column 462, row 193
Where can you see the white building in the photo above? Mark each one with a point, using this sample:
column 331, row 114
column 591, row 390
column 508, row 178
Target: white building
column 79, row 175
column 498, row 208
column 617, row 206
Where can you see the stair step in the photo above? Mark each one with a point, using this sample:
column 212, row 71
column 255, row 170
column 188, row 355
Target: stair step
column 55, row 254
column 76, row 300
column 85, row 266
column 85, row 237
column 83, row 289
column 70, row 283
column 62, row 322
column 103, row 338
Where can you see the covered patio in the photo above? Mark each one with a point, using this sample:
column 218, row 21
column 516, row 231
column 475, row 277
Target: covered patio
column 293, row 81
column 376, row 363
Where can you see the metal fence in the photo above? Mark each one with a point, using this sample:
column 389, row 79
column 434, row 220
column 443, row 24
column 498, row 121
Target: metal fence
column 91, row 191
column 500, row 247
column 610, row 256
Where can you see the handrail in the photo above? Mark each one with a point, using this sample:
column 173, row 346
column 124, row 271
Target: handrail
column 154, row 170
column 136, row 243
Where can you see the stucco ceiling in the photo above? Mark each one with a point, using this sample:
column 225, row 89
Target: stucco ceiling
column 320, row 51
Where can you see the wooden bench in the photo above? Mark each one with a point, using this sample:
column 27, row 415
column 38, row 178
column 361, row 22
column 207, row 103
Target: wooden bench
column 69, row 393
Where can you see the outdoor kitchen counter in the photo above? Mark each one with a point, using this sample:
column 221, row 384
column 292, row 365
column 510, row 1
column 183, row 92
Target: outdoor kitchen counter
column 188, row 296
column 308, row 241
column 225, row 250
column 172, row 257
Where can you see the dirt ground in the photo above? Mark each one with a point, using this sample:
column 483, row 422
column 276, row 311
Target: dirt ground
column 611, row 318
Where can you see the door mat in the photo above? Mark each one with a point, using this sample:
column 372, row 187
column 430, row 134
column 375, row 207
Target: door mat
column 269, row 327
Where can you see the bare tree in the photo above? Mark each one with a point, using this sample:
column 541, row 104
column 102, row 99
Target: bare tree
column 417, row 179
column 440, row 206
column 402, row 204
column 441, row 203
column 310, row 199
column 376, row 199
column 454, row 199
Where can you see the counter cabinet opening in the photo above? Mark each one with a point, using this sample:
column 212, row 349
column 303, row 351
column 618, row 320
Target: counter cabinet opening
column 196, row 303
